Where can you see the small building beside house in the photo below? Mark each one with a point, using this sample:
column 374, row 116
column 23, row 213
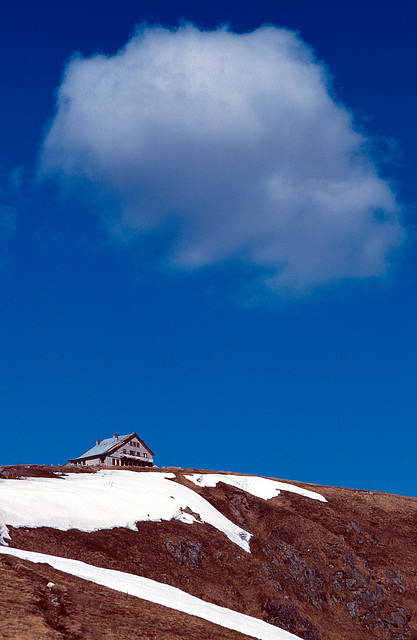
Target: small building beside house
column 120, row 451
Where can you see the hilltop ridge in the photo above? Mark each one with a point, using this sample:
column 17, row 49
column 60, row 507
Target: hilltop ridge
column 321, row 563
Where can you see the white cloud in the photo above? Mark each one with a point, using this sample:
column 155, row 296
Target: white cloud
column 235, row 141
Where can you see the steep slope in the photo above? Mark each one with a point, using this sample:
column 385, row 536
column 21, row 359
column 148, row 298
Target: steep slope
column 157, row 593
column 38, row 602
column 345, row 569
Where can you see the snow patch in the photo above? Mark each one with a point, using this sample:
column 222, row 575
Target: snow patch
column 159, row 593
column 109, row 499
column 259, row 487
column 4, row 535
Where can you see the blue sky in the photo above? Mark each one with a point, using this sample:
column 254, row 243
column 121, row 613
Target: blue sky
column 209, row 237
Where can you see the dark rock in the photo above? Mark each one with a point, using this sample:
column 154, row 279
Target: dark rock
column 275, row 574
column 395, row 579
column 190, row 512
column 380, row 594
column 398, row 618
column 353, row 608
column 307, row 581
column 187, row 552
column 379, row 624
column 349, row 559
column 286, row 616
column 55, row 603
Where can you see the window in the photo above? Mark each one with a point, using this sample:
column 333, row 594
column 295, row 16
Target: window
column 113, row 461
column 145, row 455
column 124, row 451
column 132, row 453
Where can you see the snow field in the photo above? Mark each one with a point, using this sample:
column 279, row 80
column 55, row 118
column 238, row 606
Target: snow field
column 107, row 499
column 158, row 593
column 259, row 487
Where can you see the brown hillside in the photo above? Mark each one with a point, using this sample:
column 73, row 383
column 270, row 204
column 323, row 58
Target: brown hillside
column 341, row 570
column 73, row 609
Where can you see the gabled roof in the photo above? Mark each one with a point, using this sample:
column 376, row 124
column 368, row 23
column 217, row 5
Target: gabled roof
column 110, row 445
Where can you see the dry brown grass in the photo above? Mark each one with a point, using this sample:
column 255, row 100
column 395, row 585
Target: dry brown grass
column 74, row 609
column 296, row 541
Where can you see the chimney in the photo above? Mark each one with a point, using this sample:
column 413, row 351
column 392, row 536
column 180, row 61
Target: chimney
column 116, row 435
column 97, row 441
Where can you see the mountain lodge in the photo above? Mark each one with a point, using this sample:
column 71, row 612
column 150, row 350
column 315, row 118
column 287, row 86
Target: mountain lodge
column 124, row 451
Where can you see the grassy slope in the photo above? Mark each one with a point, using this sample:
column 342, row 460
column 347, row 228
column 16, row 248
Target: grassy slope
column 345, row 570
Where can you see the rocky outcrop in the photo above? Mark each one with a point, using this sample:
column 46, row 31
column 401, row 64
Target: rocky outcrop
column 187, row 552
column 286, row 616
column 289, row 572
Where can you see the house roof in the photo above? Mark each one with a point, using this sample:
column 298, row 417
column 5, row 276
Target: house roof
column 108, row 445
column 104, row 447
